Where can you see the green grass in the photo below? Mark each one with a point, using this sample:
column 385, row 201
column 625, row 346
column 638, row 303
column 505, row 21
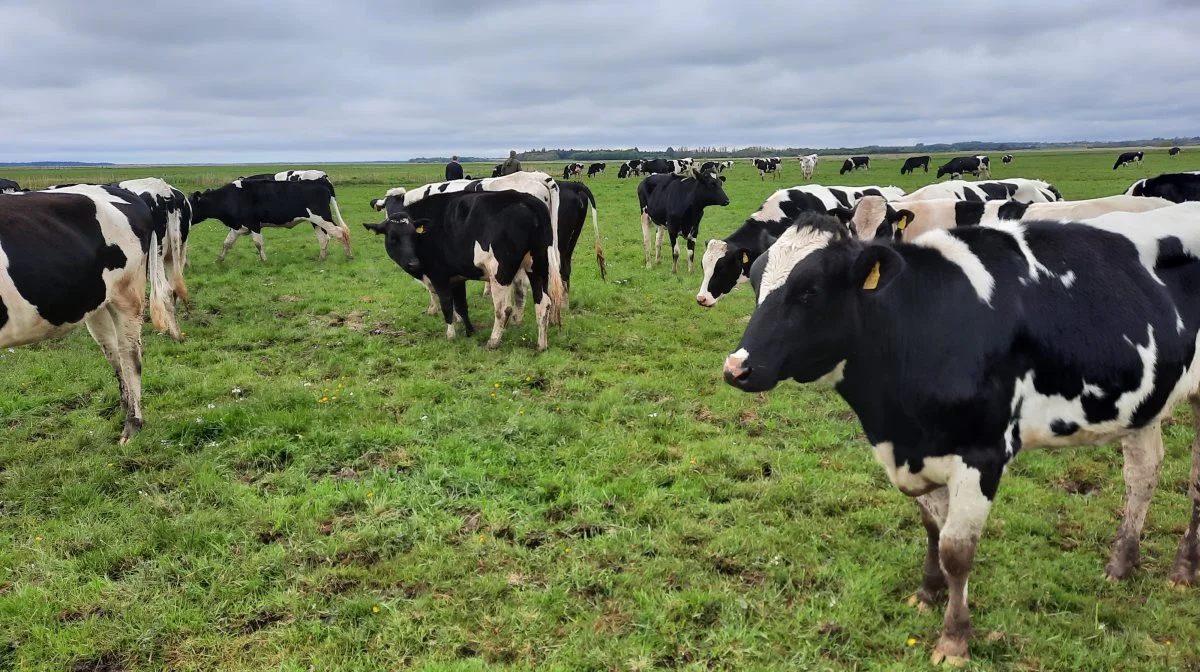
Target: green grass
column 607, row 505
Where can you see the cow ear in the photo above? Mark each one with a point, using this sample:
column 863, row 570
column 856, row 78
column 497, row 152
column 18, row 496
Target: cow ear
column 195, row 195
column 845, row 215
column 721, row 178
column 876, row 267
column 903, row 219
column 377, row 228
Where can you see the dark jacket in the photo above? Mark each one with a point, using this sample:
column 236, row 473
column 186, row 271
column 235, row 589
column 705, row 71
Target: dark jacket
column 512, row 165
column 454, row 171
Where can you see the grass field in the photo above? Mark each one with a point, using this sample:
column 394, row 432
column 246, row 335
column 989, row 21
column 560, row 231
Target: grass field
column 324, row 482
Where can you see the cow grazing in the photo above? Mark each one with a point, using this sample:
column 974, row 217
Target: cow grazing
column 572, row 170
column 81, row 255
column 1014, row 189
column 855, row 163
column 1174, row 151
column 677, row 204
column 765, row 166
column 722, row 166
column 808, row 165
column 1175, row 187
column 456, row 236
column 1127, row 158
column 659, row 166
column 961, row 165
column 171, row 214
column 630, row 168
column 726, row 263
column 1006, row 159
column 247, row 206
column 596, row 169
column 963, row 348
column 873, row 217
column 914, row 162
column 8, row 186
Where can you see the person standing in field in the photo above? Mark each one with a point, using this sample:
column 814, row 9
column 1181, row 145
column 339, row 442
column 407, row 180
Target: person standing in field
column 454, row 169
column 512, row 165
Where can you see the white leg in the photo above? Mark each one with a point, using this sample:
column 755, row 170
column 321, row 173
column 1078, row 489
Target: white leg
column 1143, row 454
column 542, row 312
column 323, row 242
column 646, row 237
column 658, row 238
column 256, row 236
column 501, row 301
column 521, row 288
column 230, row 239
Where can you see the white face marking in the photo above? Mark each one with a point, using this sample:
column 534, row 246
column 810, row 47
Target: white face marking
column 708, row 263
column 792, row 247
column 1068, row 279
column 959, row 253
column 868, row 216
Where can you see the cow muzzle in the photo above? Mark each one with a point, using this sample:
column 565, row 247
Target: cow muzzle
column 706, row 300
column 736, row 371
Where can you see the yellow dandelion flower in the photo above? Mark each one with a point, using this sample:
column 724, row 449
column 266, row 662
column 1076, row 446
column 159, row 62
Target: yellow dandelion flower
column 496, row 385
column 912, row 641
column 37, row 538
column 370, row 495
column 520, row 411
column 375, row 609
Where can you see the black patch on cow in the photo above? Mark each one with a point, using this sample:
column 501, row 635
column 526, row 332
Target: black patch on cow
column 476, row 185
column 841, row 197
column 1062, row 427
column 968, row 213
column 427, row 191
column 996, row 191
column 970, row 195
column 1170, row 250
column 443, row 187
column 3, row 314
column 1012, row 210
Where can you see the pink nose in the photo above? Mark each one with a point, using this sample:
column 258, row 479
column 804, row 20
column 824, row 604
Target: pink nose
column 733, row 368
column 705, row 300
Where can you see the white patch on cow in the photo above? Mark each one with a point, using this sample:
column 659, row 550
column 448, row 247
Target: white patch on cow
column 836, row 375
column 395, row 191
column 935, row 471
column 1180, row 327
column 486, row 261
column 708, row 263
column 959, row 253
column 1090, row 390
column 1068, row 279
column 1017, row 231
column 1146, row 229
column 237, row 183
column 792, row 247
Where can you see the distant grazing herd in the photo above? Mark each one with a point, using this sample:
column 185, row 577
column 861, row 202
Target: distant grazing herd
column 963, row 322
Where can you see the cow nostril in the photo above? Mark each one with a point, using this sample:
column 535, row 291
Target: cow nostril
column 736, row 375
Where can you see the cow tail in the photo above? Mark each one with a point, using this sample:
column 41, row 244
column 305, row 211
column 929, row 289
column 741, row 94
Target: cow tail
column 337, row 215
column 162, row 312
column 554, row 282
column 600, row 260
column 175, row 243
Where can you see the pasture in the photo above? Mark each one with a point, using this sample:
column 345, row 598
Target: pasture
column 325, row 482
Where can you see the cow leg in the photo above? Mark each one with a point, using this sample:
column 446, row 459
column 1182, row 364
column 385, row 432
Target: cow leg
column 118, row 332
column 674, row 252
column 1143, row 458
column 446, row 299
column 256, row 236
column 646, row 237
column 434, row 306
column 230, row 239
column 691, row 245
column 541, row 299
column 322, row 241
column 933, row 508
column 521, row 289
column 1188, row 559
column 501, row 302
column 966, row 514
column 460, row 307
column 658, row 240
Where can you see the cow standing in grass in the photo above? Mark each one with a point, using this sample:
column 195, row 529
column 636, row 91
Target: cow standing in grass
column 172, row 216
column 82, row 255
column 677, row 204
column 1175, row 187
column 963, row 348
column 1128, row 158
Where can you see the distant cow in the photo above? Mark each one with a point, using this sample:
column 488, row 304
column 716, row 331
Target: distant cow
column 1127, row 158
column 1175, row 187
column 1013, row 189
column 914, row 162
column 808, row 165
column 1174, row 151
column 247, row 206
column 572, row 170
column 959, row 166
column 765, row 166
column 677, row 204
column 726, row 263
column 630, row 168
column 8, row 186
column 498, row 171
column 81, row 255
column 455, row 236
column 708, row 167
column 855, row 163
column 171, row 214
column 659, row 166
column 1006, row 159
column 596, row 169
column 722, row 166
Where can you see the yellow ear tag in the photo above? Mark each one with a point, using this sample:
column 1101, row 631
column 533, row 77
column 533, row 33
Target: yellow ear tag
column 421, row 229
column 902, row 223
column 745, row 258
column 872, row 279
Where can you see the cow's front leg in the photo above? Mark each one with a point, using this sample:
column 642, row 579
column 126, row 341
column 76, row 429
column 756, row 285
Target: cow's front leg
column 1187, row 560
column 691, row 245
column 646, row 237
column 230, row 239
column 460, row 307
column 502, row 303
column 933, row 508
column 658, row 238
column 322, row 242
column 521, row 289
column 256, row 236
column 970, row 500
column 1143, row 454
column 446, row 298
column 674, row 251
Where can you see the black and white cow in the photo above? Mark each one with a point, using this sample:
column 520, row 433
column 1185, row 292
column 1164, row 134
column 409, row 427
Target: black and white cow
column 8, row 186
column 248, row 206
column 1012, row 189
column 1127, row 158
column 961, row 165
column 1175, row 187
column 963, row 348
column 677, row 204
column 171, row 214
column 498, row 171
column 855, row 163
column 726, row 262
column 293, row 176
column 455, row 236
column 722, row 166
column 81, row 255
column 709, row 167
column 765, row 166
column 596, row 169
column 630, row 168
column 572, row 170
column 1006, row 159
column 1174, row 151
column 914, row 162
column 659, row 166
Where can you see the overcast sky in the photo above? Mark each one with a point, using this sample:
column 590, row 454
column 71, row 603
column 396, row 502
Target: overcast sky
column 352, row 80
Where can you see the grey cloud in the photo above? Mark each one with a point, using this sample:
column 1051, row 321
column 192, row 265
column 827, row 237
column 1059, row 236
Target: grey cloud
column 366, row 80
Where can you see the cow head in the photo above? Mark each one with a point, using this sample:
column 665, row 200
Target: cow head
column 725, row 265
column 205, row 205
column 710, row 190
column 874, row 218
column 401, row 234
column 810, row 286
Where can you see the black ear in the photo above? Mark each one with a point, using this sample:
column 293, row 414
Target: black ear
column 901, row 220
column 876, row 267
column 377, row 228
column 195, row 195
column 721, row 178
column 844, row 214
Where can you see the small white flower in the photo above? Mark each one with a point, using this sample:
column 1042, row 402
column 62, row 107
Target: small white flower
column 654, row 415
column 832, row 601
column 199, row 421
column 352, row 394
column 210, row 406
column 308, row 384
column 424, row 417
column 12, row 349
column 775, row 561
column 236, row 391
column 211, row 444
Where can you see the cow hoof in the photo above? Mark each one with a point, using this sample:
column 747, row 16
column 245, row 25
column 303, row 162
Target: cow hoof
column 920, row 603
column 349, row 257
column 951, row 653
column 491, row 345
column 1178, row 584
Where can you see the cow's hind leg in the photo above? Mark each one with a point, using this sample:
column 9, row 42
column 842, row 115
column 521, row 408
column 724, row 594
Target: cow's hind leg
column 1143, row 458
column 230, row 239
column 646, row 237
column 933, row 508
column 674, row 252
column 322, row 241
column 460, row 307
column 521, row 289
column 502, row 304
column 256, row 236
column 691, row 245
column 1187, row 561
column 118, row 332
column 658, row 240
column 541, row 299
